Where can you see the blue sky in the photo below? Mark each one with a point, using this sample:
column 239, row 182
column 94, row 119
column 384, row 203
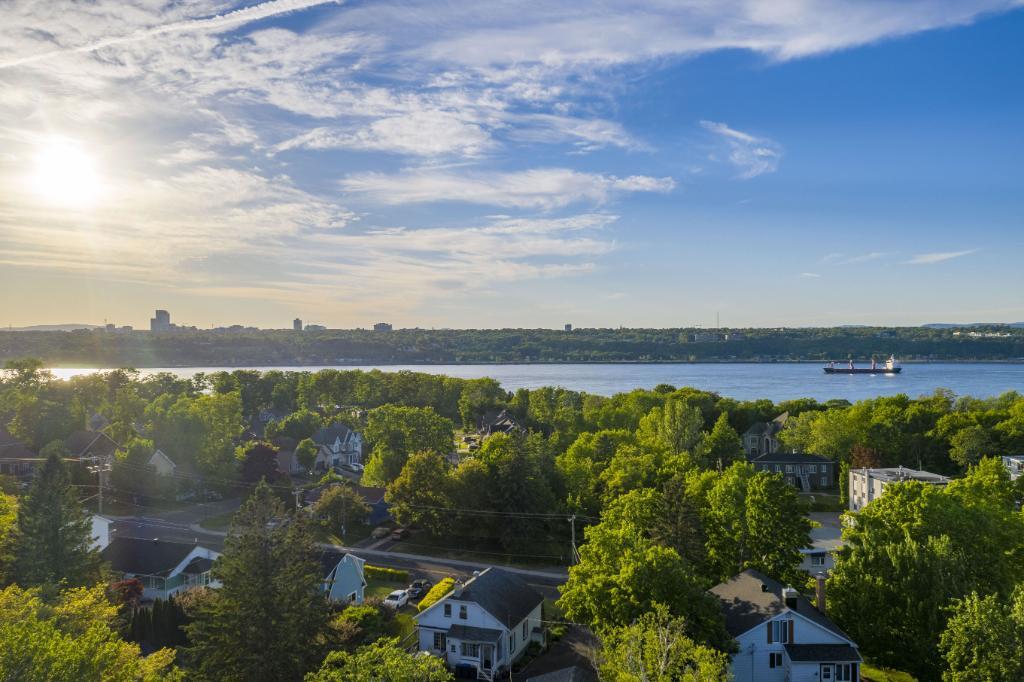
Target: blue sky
column 788, row 162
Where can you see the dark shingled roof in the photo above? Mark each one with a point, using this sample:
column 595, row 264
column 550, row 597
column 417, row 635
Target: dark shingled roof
column 83, row 443
column 327, row 434
column 826, row 653
column 790, row 458
column 145, row 557
column 328, row 560
column 471, row 634
column 746, row 605
column 573, row 673
column 198, row 565
column 502, row 594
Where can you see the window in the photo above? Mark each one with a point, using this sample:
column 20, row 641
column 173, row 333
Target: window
column 524, row 630
column 439, row 641
column 462, row 612
column 447, row 610
column 812, row 468
column 826, row 672
column 780, row 631
column 789, row 480
column 778, row 468
column 789, row 468
column 512, row 642
column 471, row 650
column 774, row 660
column 818, row 559
column 824, row 481
column 845, row 672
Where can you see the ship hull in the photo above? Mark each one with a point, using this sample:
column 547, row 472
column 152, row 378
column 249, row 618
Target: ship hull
column 862, row 370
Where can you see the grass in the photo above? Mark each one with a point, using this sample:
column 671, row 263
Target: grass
column 218, row 522
column 485, row 550
column 873, row 674
column 354, row 533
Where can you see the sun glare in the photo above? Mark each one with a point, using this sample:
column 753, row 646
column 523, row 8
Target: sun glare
column 65, row 174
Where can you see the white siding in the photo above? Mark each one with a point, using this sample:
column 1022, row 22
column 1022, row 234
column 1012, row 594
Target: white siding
column 751, row 664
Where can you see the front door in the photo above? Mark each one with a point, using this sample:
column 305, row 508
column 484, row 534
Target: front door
column 485, row 656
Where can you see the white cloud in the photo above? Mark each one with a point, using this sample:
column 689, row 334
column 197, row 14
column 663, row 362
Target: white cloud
column 937, row 257
column 810, row 275
column 751, row 155
column 542, row 188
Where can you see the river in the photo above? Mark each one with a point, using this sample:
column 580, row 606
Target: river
column 743, row 381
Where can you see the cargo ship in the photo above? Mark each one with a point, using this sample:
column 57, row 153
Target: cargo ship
column 890, row 367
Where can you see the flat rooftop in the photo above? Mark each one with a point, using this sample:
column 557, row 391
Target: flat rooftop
column 895, row 474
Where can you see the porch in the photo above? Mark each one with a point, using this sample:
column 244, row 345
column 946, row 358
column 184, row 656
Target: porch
column 474, row 653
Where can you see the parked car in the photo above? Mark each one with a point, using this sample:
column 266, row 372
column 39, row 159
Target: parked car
column 419, row 588
column 399, row 533
column 380, row 532
column 397, row 599
column 353, row 467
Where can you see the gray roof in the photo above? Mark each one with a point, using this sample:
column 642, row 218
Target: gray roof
column 897, row 474
column 467, row 633
column 752, row 598
column 144, row 556
column 328, row 434
column 826, row 653
column 767, row 428
column 502, row 594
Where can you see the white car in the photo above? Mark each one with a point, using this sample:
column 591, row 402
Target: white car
column 397, row 599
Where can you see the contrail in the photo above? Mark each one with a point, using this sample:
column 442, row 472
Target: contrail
column 215, row 23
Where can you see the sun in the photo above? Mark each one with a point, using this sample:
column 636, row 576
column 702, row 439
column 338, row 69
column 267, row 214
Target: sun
column 65, row 173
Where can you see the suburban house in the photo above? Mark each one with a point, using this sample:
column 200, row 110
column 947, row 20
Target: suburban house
column 164, row 567
column 870, row 484
column 1015, row 465
column 497, row 421
column 15, row 457
column 258, row 423
column 481, row 627
column 762, row 437
column 826, row 539
column 782, row 637
column 162, row 464
column 338, row 445
column 804, row 472
column 344, row 577
column 287, row 462
column 373, row 497
column 84, row 444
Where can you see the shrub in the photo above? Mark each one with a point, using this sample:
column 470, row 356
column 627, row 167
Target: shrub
column 437, row 592
column 388, row 575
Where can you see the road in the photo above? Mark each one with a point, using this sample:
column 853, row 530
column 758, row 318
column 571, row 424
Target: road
column 419, row 566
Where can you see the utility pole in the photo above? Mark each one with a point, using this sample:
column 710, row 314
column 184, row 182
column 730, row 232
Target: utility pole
column 572, row 525
column 99, row 469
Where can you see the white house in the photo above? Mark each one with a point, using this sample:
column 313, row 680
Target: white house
column 826, row 539
column 338, row 445
column 870, row 484
column 162, row 464
column 782, row 637
column 164, row 567
column 1015, row 465
column 481, row 627
column 100, row 532
column 344, row 577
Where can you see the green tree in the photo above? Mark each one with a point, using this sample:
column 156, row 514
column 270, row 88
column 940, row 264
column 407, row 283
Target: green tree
column 305, row 453
column 582, row 464
column 656, row 649
column 984, row 639
column 398, row 431
column 53, row 543
column 969, row 445
column 70, row 639
column 676, row 427
column 339, row 508
column 722, row 446
column 8, row 533
column 269, row 620
column 297, row 425
column 382, row 661
column 421, row 495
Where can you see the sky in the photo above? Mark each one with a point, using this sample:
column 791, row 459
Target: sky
column 512, row 164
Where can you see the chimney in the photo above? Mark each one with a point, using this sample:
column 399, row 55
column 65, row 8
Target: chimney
column 457, row 589
column 819, row 591
column 791, row 597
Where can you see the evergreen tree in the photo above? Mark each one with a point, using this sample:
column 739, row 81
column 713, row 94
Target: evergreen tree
column 54, row 533
column 269, row 620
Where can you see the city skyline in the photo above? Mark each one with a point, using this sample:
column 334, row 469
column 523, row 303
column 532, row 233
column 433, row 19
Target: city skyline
column 779, row 164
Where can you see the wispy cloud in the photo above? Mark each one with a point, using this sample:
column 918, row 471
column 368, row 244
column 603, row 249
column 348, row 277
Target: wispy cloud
column 544, row 188
column 937, row 257
column 751, row 155
column 810, row 275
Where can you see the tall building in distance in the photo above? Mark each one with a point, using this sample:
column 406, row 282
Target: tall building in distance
column 297, row 324
column 382, row 327
column 160, row 322
column 568, row 327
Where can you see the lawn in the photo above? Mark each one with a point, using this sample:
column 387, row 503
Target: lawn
column 873, row 674
column 543, row 554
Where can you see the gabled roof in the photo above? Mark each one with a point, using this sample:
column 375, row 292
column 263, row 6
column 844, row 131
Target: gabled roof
column 502, row 594
column 752, row 598
column 371, row 495
column 790, row 458
column 84, row 443
column 767, row 428
column 328, row 434
column 329, row 559
column 142, row 556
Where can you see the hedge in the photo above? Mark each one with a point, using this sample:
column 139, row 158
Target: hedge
column 437, row 592
column 388, row 575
